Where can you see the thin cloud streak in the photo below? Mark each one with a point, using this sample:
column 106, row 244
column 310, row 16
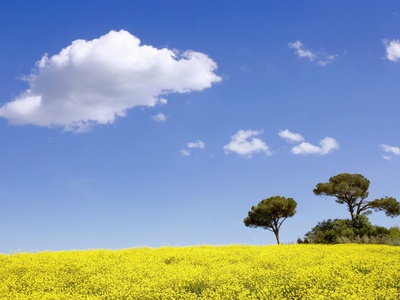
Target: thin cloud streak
column 198, row 145
column 301, row 51
column 321, row 59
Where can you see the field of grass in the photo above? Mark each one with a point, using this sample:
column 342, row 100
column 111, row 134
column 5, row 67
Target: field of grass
column 206, row 272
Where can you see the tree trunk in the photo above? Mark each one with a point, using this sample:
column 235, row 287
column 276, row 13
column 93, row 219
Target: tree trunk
column 353, row 217
column 277, row 237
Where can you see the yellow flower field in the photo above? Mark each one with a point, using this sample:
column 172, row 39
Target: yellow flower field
column 205, row 272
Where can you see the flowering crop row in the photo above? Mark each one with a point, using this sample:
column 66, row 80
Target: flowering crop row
column 205, row 272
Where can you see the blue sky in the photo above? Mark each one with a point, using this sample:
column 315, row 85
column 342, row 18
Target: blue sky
column 152, row 123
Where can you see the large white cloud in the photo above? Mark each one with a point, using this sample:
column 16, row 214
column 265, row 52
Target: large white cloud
column 327, row 145
column 392, row 50
column 94, row 82
column 244, row 143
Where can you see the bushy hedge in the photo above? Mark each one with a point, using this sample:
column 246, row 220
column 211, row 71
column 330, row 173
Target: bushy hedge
column 340, row 231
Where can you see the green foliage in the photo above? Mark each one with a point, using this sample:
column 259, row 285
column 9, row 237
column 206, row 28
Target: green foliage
column 345, row 187
column 394, row 232
column 388, row 204
column 341, row 231
column 270, row 214
column 352, row 190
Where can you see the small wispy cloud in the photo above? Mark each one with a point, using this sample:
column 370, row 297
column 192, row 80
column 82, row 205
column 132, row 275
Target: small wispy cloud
column 198, row 145
column 391, row 150
column 301, row 51
column 320, row 58
column 245, row 144
column 326, row 146
column 185, row 152
column 244, row 68
column 290, row 136
column 192, row 145
column 392, row 50
column 159, row 117
column 327, row 60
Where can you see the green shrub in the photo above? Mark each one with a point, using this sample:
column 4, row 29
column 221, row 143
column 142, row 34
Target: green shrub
column 343, row 231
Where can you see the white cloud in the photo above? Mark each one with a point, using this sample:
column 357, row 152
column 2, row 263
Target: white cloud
column 159, row 117
column 243, row 143
column 326, row 60
column 163, row 101
column 392, row 49
column 301, row 52
column 322, row 59
column 94, row 82
column 185, row 152
column 386, row 157
column 327, row 145
column 391, row 149
column 290, row 136
column 193, row 145
column 198, row 144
